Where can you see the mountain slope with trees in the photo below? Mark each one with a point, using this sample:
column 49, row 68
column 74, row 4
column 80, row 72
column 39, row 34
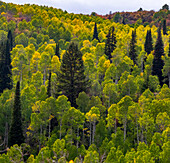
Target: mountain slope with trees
column 82, row 88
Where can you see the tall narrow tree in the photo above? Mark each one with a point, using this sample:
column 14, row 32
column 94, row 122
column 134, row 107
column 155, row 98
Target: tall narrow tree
column 8, row 66
column 164, row 27
column 57, row 53
column 5, row 66
column 158, row 63
column 49, row 85
column 95, row 34
column 71, row 78
column 113, row 36
column 16, row 132
column 2, row 68
column 110, row 44
column 132, row 51
column 148, row 42
column 10, row 38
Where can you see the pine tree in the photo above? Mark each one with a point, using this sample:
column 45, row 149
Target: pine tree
column 2, row 68
column 108, row 47
column 16, row 132
column 8, row 66
column 110, row 44
column 57, row 53
column 95, row 34
column 164, row 27
column 113, row 45
column 158, row 63
column 10, row 38
column 5, row 67
column 71, row 78
column 132, row 51
column 49, row 86
column 148, row 42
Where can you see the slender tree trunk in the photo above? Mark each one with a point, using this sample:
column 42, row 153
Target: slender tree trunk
column 94, row 128
column 7, row 127
column 40, row 137
column 90, row 134
column 83, row 133
column 77, row 137
column 116, row 80
column 137, row 131
column 60, row 129
column 44, row 76
column 49, row 130
column 6, row 133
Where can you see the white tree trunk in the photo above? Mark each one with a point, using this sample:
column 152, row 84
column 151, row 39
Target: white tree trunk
column 90, row 133
column 94, row 129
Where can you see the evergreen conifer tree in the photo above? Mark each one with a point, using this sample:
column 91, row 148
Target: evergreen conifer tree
column 10, row 38
column 57, row 53
column 108, row 47
column 164, row 27
column 113, row 45
column 132, row 51
column 8, row 66
column 2, row 68
column 158, row 63
column 110, row 44
column 49, row 85
column 148, row 42
column 16, row 132
column 95, row 34
column 71, row 78
column 5, row 67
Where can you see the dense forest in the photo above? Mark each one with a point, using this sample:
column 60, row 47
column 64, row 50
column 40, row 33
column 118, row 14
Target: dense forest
column 84, row 88
column 140, row 17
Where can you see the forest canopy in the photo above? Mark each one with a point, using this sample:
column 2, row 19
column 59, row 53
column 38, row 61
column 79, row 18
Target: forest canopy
column 84, row 88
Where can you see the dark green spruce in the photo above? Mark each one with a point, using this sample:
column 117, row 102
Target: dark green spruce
column 8, row 66
column 16, row 132
column 148, row 45
column 71, row 79
column 2, row 68
column 95, row 34
column 10, row 38
column 158, row 63
column 164, row 27
column 49, row 86
column 5, row 66
column 57, row 53
column 110, row 44
column 132, row 51
column 148, row 42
